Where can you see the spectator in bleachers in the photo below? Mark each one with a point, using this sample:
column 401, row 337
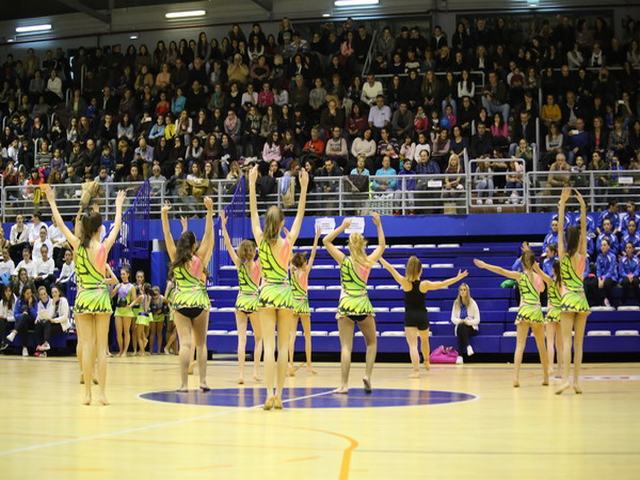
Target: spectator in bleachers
column 53, row 317
column 629, row 273
column 7, row 267
column 629, row 216
column 384, row 181
column 43, row 271
column 550, row 257
column 609, row 235
column 552, row 237
column 631, row 236
column 26, row 263
column 68, row 268
column 7, row 318
column 599, row 289
column 43, row 240
column 336, row 148
column 465, row 315
column 25, row 313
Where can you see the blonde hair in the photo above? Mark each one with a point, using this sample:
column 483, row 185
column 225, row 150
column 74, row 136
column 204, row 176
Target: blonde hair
column 413, row 269
column 272, row 221
column 458, row 301
column 357, row 245
column 246, row 250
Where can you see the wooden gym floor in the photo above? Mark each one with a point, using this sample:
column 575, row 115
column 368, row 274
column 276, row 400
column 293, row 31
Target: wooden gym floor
column 525, row 433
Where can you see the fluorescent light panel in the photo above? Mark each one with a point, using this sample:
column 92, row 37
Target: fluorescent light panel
column 186, row 14
column 34, row 28
column 355, row 3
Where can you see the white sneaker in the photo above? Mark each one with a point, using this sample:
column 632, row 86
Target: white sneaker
column 479, row 201
column 11, row 337
column 459, row 360
column 607, row 303
column 25, row 352
column 470, row 350
column 489, row 201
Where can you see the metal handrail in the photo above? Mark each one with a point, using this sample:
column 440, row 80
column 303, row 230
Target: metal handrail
column 437, row 74
column 367, row 61
column 339, row 195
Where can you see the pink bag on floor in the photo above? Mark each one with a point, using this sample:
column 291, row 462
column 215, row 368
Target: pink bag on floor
column 443, row 355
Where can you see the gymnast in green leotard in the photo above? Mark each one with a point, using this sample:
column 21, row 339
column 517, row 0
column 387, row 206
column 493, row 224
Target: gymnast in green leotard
column 190, row 302
column 249, row 275
column 574, row 306
column 529, row 311
column 354, row 305
column 552, row 326
column 92, row 309
column 275, row 300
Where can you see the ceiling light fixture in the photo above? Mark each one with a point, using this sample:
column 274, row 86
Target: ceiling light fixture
column 134, row 36
column 326, row 15
column 34, row 28
column 185, row 14
column 355, row 3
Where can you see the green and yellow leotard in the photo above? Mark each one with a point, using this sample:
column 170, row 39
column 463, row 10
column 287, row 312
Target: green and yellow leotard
column 93, row 292
column 249, row 287
column 275, row 291
column 530, row 310
column 190, row 288
column 574, row 299
column 299, row 284
column 354, row 299
column 554, row 299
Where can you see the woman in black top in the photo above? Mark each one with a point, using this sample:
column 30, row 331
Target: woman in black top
column 416, row 322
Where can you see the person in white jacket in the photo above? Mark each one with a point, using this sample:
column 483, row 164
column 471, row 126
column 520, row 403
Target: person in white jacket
column 465, row 315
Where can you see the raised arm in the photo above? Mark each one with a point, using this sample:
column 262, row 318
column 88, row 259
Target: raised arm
column 303, row 176
column 73, row 240
column 582, row 248
column 77, row 226
column 253, row 205
column 429, row 285
column 208, row 242
column 227, row 240
column 382, row 243
column 495, row 269
column 314, row 249
column 115, row 231
column 403, row 282
column 110, row 276
column 327, row 241
column 166, row 231
column 564, row 196
column 546, row 278
column 184, row 223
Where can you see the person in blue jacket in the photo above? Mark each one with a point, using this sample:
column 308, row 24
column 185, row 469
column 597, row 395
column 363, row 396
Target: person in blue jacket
column 551, row 256
column 608, row 234
column 611, row 213
column 629, row 216
column 25, row 313
column 600, row 288
column 629, row 273
column 630, row 236
column 552, row 236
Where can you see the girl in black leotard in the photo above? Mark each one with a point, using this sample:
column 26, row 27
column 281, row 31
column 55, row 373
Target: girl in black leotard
column 416, row 322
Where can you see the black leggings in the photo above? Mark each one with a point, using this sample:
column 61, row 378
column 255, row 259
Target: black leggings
column 596, row 295
column 630, row 289
column 45, row 330
column 464, row 333
column 23, row 323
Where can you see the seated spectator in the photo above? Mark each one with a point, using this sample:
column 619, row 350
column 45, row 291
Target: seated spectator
column 52, row 317
column 7, row 267
column 364, row 145
column 481, row 143
column 314, row 148
column 271, row 151
column 18, row 238
column 552, row 237
column 336, row 148
column 379, row 115
column 25, row 313
column 524, row 151
column 68, row 268
column 26, row 263
column 402, row 122
column 371, row 90
column 7, row 319
column 407, row 186
column 611, row 214
column 34, row 227
column 407, row 149
column 631, row 235
column 578, row 141
column 441, row 147
column 465, row 315
column 550, row 257
column 607, row 234
column 628, row 216
column 515, row 178
column 43, row 240
column 499, row 131
column 381, row 181
column 557, row 179
column 484, row 186
column 629, row 273
column 453, row 186
column 387, row 145
column 599, row 289
column 550, row 112
column 494, row 97
column 44, row 269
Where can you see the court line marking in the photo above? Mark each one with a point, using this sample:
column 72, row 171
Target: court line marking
column 142, row 428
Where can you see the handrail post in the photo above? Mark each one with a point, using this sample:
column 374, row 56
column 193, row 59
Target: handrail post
column 468, row 182
column 592, row 192
column 3, row 199
column 340, row 196
column 220, row 195
column 403, row 194
column 527, row 179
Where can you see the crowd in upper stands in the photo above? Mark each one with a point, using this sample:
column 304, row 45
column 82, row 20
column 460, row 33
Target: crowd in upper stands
column 195, row 110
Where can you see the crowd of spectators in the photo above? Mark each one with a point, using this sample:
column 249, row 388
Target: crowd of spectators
column 192, row 111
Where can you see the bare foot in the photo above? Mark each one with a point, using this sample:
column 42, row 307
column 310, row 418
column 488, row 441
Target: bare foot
column 577, row 389
column 241, row 381
column 291, row 371
column 268, row 404
column 182, row 389
column 81, row 379
column 562, row 388
column 87, row 399
column 311, row 370
column 414, row 374
column 545, row 380
column 342, row 390
column 256, row 378
column 102, row 399
column 516, row 383
column 427, row 366
column 277, row 403
column 367, row 385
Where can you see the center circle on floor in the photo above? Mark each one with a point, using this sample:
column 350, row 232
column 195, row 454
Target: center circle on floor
column 316, row 397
